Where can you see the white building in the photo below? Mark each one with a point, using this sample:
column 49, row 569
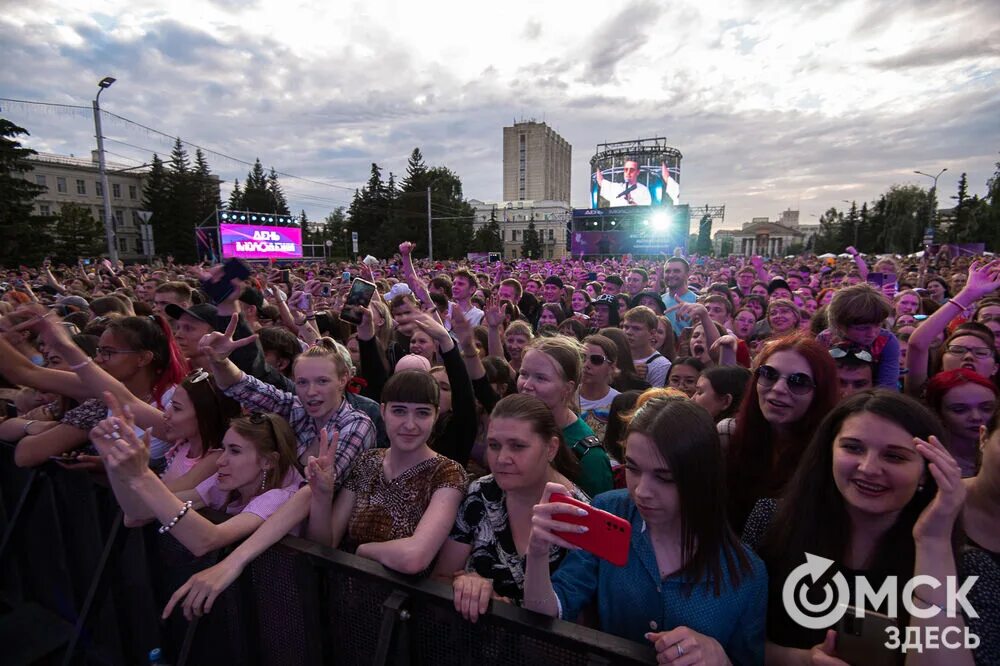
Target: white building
column 771, row 239
column 550, row 218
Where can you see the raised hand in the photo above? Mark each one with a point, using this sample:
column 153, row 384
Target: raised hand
column 405, row 248
column 460, row 325
column 689, row 311
column 938, row 519
column 544, row 525
column 218, row 346
column 321, row 473
column 494, row 314
column 984, row 279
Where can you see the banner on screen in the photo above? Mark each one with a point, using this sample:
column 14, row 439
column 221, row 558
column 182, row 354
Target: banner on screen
column 248, row 241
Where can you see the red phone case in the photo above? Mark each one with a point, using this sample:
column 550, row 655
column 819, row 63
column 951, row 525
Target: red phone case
column 608, row 536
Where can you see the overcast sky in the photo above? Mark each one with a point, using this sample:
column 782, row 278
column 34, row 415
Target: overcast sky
column 774, row 105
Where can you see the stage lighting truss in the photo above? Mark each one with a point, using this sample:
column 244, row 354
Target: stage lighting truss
column 260, row 219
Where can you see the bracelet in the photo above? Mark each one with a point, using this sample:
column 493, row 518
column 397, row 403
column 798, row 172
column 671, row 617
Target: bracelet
column 952, row 300
column 77, row 366
column 28, row 425
column 176, row 519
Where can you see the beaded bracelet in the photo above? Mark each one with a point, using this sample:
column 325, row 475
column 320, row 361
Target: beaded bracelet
column 176, row 519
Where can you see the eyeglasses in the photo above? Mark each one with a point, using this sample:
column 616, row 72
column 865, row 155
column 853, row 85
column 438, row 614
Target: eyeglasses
column 983, row 318
column 597, row 359
column 860, row 354
column 962, row 350
column 798, row 383
column 105, row 353
column 259, row 418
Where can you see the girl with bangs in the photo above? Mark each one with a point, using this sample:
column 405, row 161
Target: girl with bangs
column 396, row 506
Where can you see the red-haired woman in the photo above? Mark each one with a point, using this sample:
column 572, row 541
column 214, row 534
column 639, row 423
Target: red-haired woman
column 965, row 401
column 794, row 386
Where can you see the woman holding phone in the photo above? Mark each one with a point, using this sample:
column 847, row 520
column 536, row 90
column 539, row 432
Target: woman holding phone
column 690, row 587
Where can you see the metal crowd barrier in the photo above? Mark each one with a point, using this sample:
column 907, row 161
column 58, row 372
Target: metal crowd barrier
column 77, row 587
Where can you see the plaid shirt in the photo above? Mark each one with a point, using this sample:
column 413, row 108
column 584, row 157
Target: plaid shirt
column 357, row 433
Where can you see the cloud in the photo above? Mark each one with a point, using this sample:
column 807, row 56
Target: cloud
column 944, row 54
column 532, row 30
column 618, row 39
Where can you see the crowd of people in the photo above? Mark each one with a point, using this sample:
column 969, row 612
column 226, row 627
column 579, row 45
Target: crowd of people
column 739, row 413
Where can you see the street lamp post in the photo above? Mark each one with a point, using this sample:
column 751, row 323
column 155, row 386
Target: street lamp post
column 932, row 203
column 109, row 232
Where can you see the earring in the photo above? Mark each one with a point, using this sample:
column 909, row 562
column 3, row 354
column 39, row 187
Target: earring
column 263, row 481
column 920, row 488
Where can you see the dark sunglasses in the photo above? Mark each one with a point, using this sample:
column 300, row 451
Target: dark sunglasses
column 597, row 359
column 798, row 383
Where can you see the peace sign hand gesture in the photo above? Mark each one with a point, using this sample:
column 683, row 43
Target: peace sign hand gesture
column 218, row 346
column 321, row 473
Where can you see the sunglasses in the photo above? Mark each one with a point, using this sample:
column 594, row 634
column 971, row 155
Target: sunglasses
column 798, row 383
column 597, row 359
column 861, row 355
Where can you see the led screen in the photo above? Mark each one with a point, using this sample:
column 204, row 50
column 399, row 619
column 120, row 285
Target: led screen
column 247, row 241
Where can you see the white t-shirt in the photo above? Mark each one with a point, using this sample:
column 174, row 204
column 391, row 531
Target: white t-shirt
column 474, row 315
column 656, row 369
column 595, row 413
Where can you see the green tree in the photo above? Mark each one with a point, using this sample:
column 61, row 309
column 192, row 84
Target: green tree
column 726, row 246
column 531, row 247
column 960, row 230
column 256, row 196
column 235, row 197
column 156, row 200
column 26, row 236
column 183, row 210
column 77, row 234
column 279, row 205
column 487, row 238
column 828, row 237
column 704, row 246
column 369, row 216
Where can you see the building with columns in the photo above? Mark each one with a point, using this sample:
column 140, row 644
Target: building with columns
column 550, row 218
column 771, row 239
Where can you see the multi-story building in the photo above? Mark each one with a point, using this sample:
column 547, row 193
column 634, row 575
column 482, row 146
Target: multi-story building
column 536, row 163
column 550, row 218
column 772, row 239
column 77, row 180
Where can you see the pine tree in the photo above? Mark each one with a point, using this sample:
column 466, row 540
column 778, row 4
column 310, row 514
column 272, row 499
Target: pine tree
column 960, row 230
column 77, row 234
column 236, row 197
column 26, row 236
column 183, row 211
column 531, row 247
column 369, row 213
column 704, row 247
column 279, row 205
column 156, row 200
column 256, row 197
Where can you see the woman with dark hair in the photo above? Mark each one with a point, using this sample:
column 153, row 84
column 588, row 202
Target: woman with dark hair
column 689, row 586
column 618, row 418
column 684, row 373
column 794, row 386
column 396, row 506
column 938, row 289
column 627, row 379
column 551, row 314
column 720, row 391
column 525, row 450
column 877, row 494
column 964, row 401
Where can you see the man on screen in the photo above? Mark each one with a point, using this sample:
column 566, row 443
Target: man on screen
column 629, row 193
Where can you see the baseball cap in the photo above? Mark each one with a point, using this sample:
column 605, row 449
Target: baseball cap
column 252, row 296
column 554, row 279
column 777, row 283
column 76, row 301
column 606, row 299
column 205, row 312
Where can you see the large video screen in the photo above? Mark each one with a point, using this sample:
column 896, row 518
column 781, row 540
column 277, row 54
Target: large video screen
column 638, row 231
column 249, row 241
column 644, row 179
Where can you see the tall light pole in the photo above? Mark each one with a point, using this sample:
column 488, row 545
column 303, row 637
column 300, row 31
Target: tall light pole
column 109, row 230
column 932, row 203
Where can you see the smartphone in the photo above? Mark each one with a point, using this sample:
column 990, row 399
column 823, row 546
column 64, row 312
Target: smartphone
column 591, row 276
column 861, row 640
column 358, row 299
column 286, row 276
column 86, row 262
column 233, row 269
column 876, row 279
column 346, row 276
column 608, row 537
column 324, row 291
